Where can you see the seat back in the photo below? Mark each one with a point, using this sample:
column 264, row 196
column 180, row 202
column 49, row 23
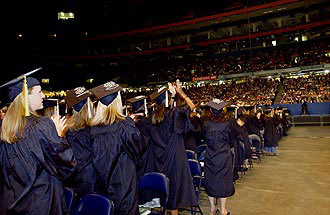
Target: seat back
column 191, row 154
column 158, row 182
column 195, row 167
column 69, row 197
column 202, row 156
column 196, row 173
column 94, row 204
column 200, row 149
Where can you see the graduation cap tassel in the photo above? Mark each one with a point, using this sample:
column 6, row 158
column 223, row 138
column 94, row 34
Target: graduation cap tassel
column 255, row 109
column 145, row 107
column 57, row 108
column 26, row 98
column 119, row 96
column 166, row 99
column 89, row 109
column 235, row 113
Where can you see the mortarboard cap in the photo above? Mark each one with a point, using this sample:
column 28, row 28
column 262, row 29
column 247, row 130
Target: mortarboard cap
column 268, row 110
column 15, row 86
column 138, row 104
column 159, row 96
column 216, row 105
column 107, row 92
column 76, row 98
column 51, row 103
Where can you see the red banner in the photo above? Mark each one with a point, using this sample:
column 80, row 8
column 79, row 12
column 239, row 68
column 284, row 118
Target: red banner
column 205, row 78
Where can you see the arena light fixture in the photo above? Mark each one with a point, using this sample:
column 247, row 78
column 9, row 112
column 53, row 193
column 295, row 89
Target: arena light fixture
column 65, row 16
column 326, row 71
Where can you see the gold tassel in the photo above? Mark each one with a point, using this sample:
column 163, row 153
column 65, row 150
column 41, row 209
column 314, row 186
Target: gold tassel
column 89, row 109
column 26, row 98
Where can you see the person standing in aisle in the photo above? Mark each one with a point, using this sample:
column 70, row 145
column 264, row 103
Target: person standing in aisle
column 218, row 159
column 168, row 128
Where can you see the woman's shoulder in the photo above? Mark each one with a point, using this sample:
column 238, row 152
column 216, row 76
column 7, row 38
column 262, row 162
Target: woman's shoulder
column 114, row 127
column 39, row 122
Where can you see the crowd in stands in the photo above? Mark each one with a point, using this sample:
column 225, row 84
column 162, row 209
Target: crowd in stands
column 315, row 88
column 257, row 91
column 304, row 54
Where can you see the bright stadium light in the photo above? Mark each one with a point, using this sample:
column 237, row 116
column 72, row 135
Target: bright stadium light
column 326, row 71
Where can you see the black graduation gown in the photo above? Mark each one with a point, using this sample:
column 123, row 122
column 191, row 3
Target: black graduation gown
column 146, row 159
column 234, row 133
column 240, row 133
column 271, row 135
column 194, row 137
column 84, row 179
column 218, row 160
column 171, row 159
column 252, row 125
column 115, row 156
column 32, row 169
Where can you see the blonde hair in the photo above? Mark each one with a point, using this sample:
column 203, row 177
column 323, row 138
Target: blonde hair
column 159, row 114
column 107, row 115
column 50, row 111
column 14, row 121
column 80, row 120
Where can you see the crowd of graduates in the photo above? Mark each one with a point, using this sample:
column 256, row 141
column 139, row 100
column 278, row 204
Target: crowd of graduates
column 98, row 148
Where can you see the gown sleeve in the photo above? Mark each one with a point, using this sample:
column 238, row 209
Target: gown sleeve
column 56, row 156
column 180, row 117
column 131, row 139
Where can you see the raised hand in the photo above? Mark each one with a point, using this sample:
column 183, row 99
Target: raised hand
column 60, row 124
column 172, row 90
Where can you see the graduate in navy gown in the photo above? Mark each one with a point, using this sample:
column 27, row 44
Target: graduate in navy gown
column 218, row 159
column 84, row 179
column 138, row 112
column 271, row 137
column 35, row 158
column 168, row 128
column 115, row 141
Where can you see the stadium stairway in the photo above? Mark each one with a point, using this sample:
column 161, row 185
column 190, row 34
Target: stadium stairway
column 279, row 94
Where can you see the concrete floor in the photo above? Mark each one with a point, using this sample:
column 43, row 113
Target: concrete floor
column 296, row 181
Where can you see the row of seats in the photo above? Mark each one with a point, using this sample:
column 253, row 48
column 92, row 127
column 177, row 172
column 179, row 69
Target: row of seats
column 93, row 203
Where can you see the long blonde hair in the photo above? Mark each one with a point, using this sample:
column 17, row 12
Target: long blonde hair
column 107, row 115
column 159, row 114
column 80, row 120
column 14, row 121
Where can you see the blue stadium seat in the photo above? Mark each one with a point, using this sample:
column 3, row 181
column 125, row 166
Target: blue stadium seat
column 69, row 197
column 201, row 149
column 191, row 154
column 196, row 174
column 94, row 204
column 157, row 182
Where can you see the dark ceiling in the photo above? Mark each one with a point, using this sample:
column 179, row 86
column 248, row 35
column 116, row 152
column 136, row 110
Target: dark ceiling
column 39, row 17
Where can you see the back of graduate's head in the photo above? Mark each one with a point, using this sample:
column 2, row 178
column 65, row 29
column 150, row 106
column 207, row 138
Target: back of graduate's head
column 109, row 105
column 82, row 108
column 26, row 96
column 240, row 117
column 160, row 99
column 216, row 110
